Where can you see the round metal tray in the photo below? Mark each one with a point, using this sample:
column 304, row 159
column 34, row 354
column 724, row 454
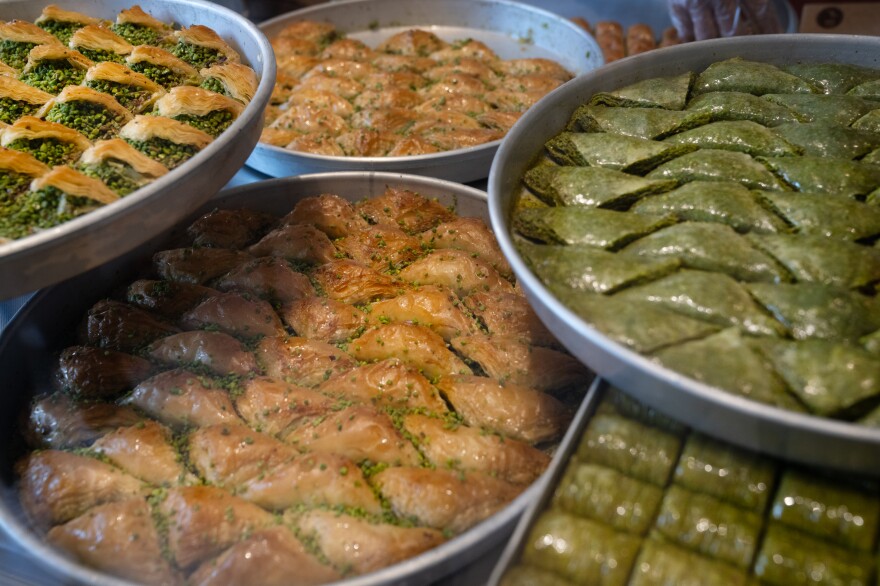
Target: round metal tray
column 45, row 325
column 55, row 254
column 786, row 434
column 511, row 29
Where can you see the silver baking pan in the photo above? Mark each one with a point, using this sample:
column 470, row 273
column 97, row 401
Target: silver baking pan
column 553, row 476
column 45, row 325
column 740, row 421
column 654, row 13
column 511, row 29
column 90, row 240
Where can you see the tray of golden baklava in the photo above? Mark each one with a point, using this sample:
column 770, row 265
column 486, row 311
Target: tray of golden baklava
column 410, row 86
column 117, row 119
column 333, row 376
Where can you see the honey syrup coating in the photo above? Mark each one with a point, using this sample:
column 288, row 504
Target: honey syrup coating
column 254, row 407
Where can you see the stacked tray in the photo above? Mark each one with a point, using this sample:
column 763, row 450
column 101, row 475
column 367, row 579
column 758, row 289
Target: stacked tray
column 88, row 241
column 808, row 438
column 635, row 497
column 510, row 29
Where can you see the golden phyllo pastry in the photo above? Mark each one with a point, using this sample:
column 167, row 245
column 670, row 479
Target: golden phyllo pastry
column 53, row 67
column 18, row 99
column 95, row 114
column 17, row 38
column 133, row 90
column 166, row 140
column 161, row 66
column 206, row 110
column 59, row 196
column 202, row 47
column 139, row 28
column 99, row 43
column 74, row 184
column 50, row 142
column 231, row 79
column 413, row 94
column 120, row 166
column 63, row 23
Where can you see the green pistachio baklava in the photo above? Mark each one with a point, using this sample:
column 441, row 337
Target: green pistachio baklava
column 743, row 197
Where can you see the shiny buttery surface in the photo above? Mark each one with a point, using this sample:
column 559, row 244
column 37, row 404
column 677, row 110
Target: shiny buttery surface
column 45, row 324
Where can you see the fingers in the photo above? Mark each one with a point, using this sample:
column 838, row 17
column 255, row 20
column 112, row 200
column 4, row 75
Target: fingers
column 762, row 16
column 705, row 19
column 708, row 19
column 680, row 13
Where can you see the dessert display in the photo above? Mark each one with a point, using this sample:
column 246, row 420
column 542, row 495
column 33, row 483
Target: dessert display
column 723, row 223
column 644, row 500
column 117, row 104
column 323, row 393
column 412, row 94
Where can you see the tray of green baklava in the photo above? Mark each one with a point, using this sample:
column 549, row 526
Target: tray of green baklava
column 636, row 498
column 700, row 225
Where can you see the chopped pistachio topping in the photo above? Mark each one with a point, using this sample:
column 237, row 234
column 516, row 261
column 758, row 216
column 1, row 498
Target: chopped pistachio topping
column 62, row 30
column 132, row 97
column 53, row 76
column 158, row 73
column 11, row 110
column 116, row 175
column 166, row 152
column 49, row 207
column 46, row 150
column 15, row 53
column 93, row 120
column 98, row 55
column 136, row 34
column 213, row 123
column 11, row 186
column 198, row 57
column 215, row 85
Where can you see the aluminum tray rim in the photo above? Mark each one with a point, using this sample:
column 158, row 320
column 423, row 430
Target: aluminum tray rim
column 800, row 437
column 434, row 564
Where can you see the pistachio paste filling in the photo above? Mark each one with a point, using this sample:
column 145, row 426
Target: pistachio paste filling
column 47, row 150
column 53, row 76
column 11, row 110
column 92, row 120
column 213, row 123
column 166, row 152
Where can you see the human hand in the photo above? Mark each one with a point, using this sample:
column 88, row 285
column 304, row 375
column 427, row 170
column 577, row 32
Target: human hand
column 708, row 19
